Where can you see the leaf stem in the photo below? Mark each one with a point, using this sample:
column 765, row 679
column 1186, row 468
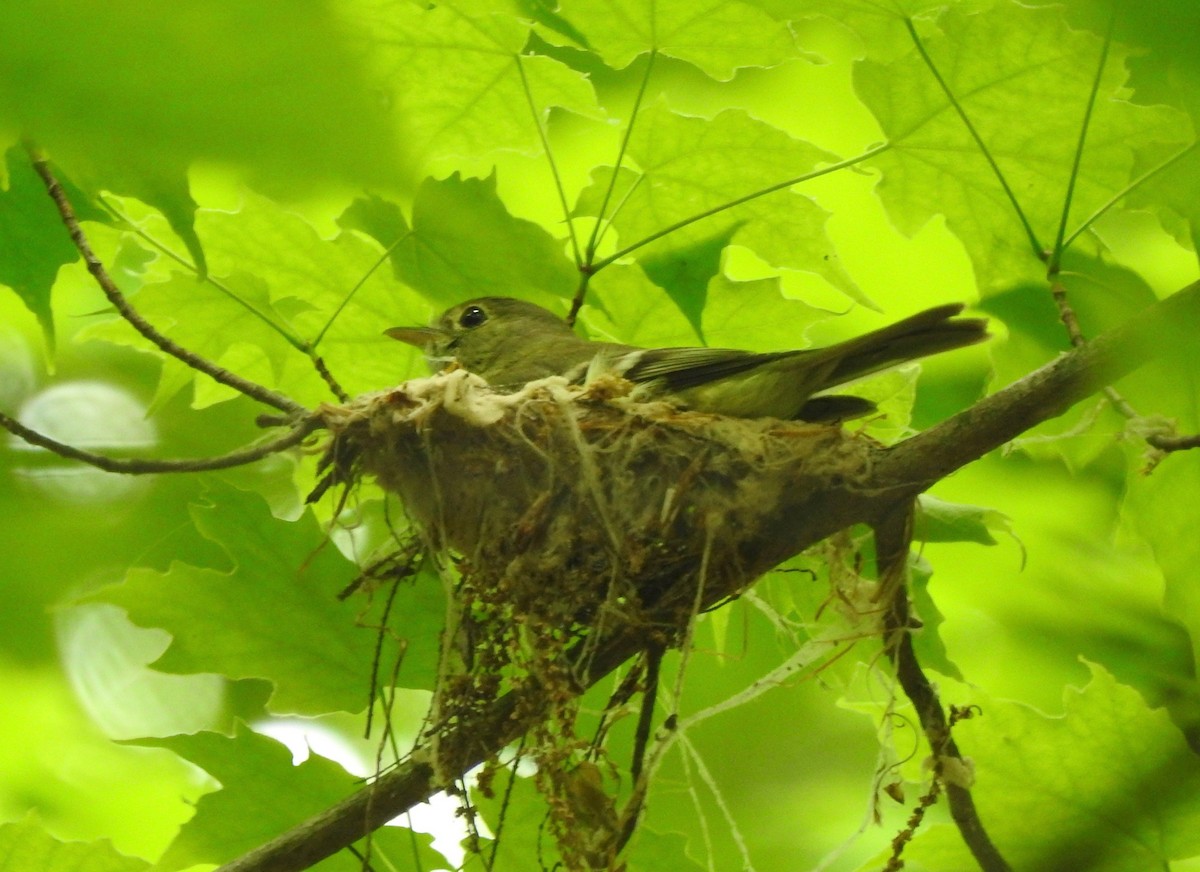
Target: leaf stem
column 558, row 183
column 1038, row 248
column 770, row 189
column 601, row 226
column 1126, row 191
column 1056, row 254
column 380, row 261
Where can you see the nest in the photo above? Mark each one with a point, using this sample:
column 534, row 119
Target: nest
column 575, row 501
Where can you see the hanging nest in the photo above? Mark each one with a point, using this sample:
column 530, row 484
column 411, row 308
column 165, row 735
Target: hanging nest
column 577, row 505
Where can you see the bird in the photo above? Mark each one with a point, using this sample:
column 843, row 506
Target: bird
column 511, row 342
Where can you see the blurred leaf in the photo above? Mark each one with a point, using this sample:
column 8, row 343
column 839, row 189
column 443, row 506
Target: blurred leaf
column 927, row 638
column 262, row 794
column 275, row 614
column 26, row 847
column 129, row 85
column 1112, row 784
column 941, row 521
column 1162, row 507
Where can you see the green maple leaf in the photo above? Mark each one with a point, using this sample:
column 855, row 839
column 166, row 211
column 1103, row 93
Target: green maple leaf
column 262, row 794
column 26, row 847
column 1111, row 783
column 277, row 288
column 989, row 68
column 462, row 245
column 717, row 36
column 275, row 614
column 687, row 166
column 458, row 74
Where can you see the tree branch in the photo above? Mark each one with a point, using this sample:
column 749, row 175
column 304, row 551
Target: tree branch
column 138, row 466
column 94, row 265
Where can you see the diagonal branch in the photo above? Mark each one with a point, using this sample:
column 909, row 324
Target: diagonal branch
column 916, row 463
column 256, row 391
column 897, row 474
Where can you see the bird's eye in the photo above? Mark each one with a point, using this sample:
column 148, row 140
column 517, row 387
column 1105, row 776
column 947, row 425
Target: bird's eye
column 472, row 316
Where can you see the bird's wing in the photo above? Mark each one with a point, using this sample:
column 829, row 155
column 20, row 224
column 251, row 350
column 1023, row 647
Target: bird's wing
column 681, row 368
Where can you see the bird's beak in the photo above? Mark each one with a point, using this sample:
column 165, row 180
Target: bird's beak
column 421, row 337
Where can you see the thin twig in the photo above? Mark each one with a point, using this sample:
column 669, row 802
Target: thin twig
column 654, row 656
column 327, row 377
column 893, row 536
column 256, row 391
column 138, row 466
column 577, row 299
column 1164, row 441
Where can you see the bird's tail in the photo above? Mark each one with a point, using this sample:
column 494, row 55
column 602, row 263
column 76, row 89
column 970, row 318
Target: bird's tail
column 930, row 332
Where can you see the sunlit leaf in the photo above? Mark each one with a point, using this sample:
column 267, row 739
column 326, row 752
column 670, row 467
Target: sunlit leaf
column 987, row 69
column 717, row 36
column 262, row 794
column 465, row 244
column 25, row 846
column 688, row 166
column 231, row 621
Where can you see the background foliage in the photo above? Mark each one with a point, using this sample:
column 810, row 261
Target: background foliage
column 265, row 186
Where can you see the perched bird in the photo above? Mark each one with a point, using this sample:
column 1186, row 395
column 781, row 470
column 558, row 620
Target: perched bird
column 511, row 342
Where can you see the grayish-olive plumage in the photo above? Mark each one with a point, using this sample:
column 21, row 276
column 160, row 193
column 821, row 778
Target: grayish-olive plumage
column 511, row 342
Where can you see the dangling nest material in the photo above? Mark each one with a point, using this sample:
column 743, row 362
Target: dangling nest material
column 575, row 502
